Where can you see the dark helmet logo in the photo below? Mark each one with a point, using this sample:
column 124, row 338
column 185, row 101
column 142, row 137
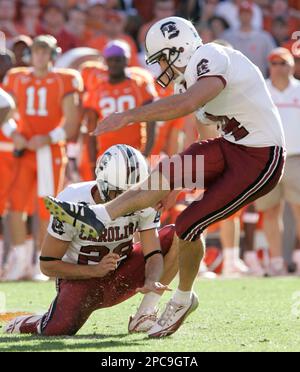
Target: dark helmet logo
column 105, row 160
column 169, row 30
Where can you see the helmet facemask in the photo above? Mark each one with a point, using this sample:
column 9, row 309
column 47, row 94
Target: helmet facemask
column 171, row 55
column 105, row 188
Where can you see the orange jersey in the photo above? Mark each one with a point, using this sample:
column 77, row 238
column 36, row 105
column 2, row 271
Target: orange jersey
column 108, row 98
column 92, row 73
column 39, row 100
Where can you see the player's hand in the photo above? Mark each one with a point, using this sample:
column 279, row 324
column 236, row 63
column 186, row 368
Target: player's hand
column 110, row 124
column 168, row 202
column 106, row 265
column 38, row 141
column 20, row 142
column 155, row 287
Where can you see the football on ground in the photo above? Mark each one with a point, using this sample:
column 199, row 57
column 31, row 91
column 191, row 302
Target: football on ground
column 234, row 315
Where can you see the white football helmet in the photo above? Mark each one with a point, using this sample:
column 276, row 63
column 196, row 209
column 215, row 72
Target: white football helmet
column 119, row 168
column 174, row 38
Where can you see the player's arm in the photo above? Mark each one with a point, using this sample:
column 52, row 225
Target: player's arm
column 154, row 262
column 52, row 265
column 72, row 114
column 150, row 138
column 7, row 122
column 7, row 106
column 169, row 108
column 4, row 114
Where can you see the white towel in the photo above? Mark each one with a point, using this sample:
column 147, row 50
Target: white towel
column 45, row 172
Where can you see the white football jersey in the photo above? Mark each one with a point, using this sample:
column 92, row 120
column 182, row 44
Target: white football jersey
column 117, row 236
column 6, row 100
column 244, row 98
column 288, row 104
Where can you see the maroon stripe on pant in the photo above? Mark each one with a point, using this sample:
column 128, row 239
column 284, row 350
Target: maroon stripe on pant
column 248, row 174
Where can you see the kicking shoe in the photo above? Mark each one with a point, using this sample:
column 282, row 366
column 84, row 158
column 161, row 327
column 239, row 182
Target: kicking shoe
column 78, row 215
column 24, row 324
column 172, row 318
column 142, row 322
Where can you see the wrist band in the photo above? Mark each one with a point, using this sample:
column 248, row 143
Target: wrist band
column 58, row 135
column 49, row 259
column 158, row 251
column 9, row 127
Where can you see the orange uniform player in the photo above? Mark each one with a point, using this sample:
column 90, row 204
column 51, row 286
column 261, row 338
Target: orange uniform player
column 109, row 98
column 39, row 103
column 94, row 73
column 118, row 88
column 48, row 106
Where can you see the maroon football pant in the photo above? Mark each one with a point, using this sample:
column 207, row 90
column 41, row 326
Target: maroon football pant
column 234, row 176
column 77, row 299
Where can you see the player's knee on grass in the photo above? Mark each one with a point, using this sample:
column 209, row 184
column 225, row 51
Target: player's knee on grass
column 63, row 326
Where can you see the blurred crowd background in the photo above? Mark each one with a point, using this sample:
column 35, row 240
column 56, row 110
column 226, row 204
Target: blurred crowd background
column 251, row 239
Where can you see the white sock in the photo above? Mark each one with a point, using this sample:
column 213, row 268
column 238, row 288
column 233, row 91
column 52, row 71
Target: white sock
column 101, row 213
column 296, row 256
column 149, row 303
column 250, row 256
column 231, row 255
column 182, row 298
column 277, row 263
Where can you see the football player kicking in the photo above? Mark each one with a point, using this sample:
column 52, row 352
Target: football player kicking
column 244, row 163
column 103, row 272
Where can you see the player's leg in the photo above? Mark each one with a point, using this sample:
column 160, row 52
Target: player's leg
column 296, row 254
column 250, row 220
column 230, row 233
column 147, row 311
column 66, row 315
column 292, row 195
column 23, row 186
column 122, row 285
column 235, row 188
column 59, row 162
column 272, row 207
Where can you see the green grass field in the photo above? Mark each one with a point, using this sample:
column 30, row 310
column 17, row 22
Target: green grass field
column 234, row 315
